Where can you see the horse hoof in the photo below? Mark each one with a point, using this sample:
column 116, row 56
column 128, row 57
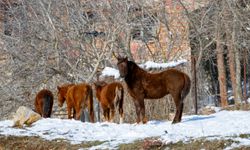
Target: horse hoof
column 144, row 121
column 174, row 122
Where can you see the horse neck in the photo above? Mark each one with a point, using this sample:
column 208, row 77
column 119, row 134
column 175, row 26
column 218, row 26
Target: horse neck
column 133, row 73
column 65, row 90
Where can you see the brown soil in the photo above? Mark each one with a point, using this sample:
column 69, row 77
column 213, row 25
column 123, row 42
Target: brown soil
column 36, row 143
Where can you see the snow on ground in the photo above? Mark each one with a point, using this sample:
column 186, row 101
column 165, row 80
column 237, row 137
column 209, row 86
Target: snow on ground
column 108, row 71
column 223, row 124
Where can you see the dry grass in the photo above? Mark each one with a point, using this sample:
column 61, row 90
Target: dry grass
column 244, row 107
column 37, row 143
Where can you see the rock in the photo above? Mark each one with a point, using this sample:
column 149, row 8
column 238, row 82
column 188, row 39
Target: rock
column 207, row 110
column 25, row 115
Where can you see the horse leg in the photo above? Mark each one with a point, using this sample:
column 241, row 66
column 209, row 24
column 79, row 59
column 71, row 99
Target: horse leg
column 138, row 111
column 121, row 115
column 112, row 109
column 177, row 101
column 69, row 112
column 105, row 114
column 181, row 110
column 108, row 114
column 78, row 113
column 74, row 113
column 69, row 108
column 142, row 105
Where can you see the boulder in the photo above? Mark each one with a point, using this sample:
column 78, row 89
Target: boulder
column 25, row 115
column 207, row 110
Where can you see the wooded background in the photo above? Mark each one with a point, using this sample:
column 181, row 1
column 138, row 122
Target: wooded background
column 46, row 43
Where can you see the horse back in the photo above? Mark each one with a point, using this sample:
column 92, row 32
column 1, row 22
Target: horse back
column 109, row 91
column 77, row 93
column 157, row 85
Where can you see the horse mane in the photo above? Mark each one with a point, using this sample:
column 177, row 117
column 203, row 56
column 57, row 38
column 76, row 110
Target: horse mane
column 133, row 70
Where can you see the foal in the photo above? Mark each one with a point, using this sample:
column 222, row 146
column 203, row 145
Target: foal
column 110, row 96
column 44, row 103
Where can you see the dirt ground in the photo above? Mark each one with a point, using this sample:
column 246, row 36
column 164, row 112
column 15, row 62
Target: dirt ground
column 36, row 143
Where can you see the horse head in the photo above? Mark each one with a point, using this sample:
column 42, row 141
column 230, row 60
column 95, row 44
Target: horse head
column 61, row 95
column 98, row 87
column 122, row 65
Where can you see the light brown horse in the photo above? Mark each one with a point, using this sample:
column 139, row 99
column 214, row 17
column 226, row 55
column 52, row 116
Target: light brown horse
column 78, row 97
column 110, row 96
column 61, row 97
column 44, row 103
column 142, row 84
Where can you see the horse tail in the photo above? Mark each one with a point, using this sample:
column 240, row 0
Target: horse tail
column 187, row 86
column 47, row 105
column 119, row 97
column 119, row 94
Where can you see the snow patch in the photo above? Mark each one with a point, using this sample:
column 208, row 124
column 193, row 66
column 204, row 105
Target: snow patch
column 219, row 125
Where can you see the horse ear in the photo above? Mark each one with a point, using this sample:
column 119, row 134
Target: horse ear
column 58, row 88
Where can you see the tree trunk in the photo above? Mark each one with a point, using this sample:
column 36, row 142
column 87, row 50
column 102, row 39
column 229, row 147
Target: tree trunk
column 231, row 64
column 230, row 41
column 238, row 76
column 245, row 76
column 194, row 84
column 221, row 65
column 238, row 89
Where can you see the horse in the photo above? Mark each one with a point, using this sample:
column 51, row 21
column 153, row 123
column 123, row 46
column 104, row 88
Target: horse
column 78, row 97
column 61, row 96
column 110, row 96
column 144, row 85
column 44, row 103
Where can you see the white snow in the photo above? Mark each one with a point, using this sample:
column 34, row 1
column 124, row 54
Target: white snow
column 108, row 71
column 223, row 124
column 151, row 64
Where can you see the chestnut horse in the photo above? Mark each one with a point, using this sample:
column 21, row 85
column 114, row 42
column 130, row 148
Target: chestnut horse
column 110, row 96
column 77, row 97
column 142, row 84
column 61, row 96
column 44, row 103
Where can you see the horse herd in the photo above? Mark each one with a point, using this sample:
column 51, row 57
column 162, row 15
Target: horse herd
column 140, row 84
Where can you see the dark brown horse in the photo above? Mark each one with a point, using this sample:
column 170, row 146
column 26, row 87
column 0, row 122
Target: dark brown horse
column 142, row 84
column 78, row 97
column 44, row 103
column 110, row 96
